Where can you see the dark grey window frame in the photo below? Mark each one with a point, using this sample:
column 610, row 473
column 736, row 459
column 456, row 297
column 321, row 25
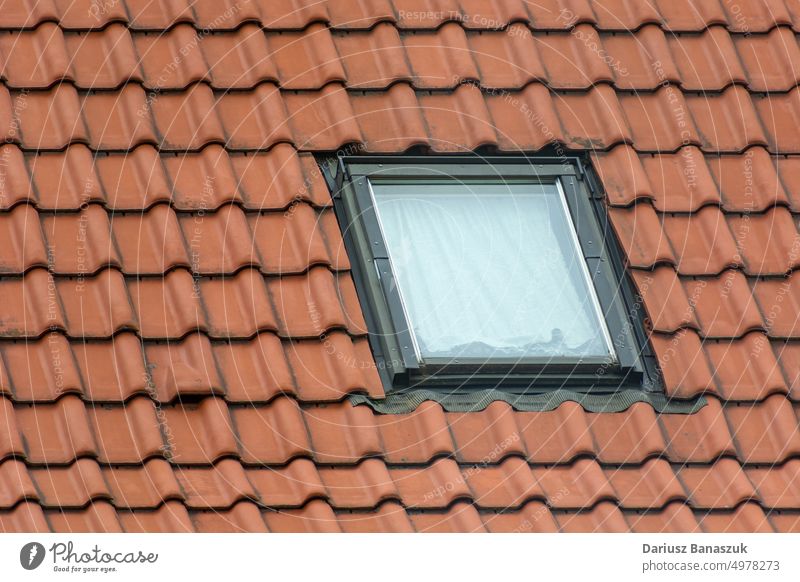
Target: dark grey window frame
column 390, row 340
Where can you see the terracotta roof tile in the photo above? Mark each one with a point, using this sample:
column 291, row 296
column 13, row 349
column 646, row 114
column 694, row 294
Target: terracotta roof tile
column 96, row 517
column 103, row 59
column 34, row 58
column 317, row 516
column 255, row 119
column 21, row 242
column 768, row 242
column 147, row 486
column 708, row 61
column 748, row 517
column 631, row 441
column 130, row 433
column 651, row 486
column 604, row 517
column 785, row 522
column 220, row 486
column 674, row 518
column 765, row 433
column 778, row 300
column 533, row 517
column 39, row 370
column 112, row 370
column 680, row 182
column 17, row 484
column 71, row 486
column 31, row 305
column 419, row 436
column 460, row 517
column 703, row 242
column 91, row 229
column 506, row 59
column 721, row 486
column 701, row 437
column 440, row 58
column 640, row 232
column 683, row 363
column 373, row 59
column 778, row 112
column 570, row 61
column 724, row 306
column 509, row 484
column 458, row 122
column 132, row 181
column 305, row 60
column 749, row 182
column 273, row 434
column 96, row 307
column 623, row 175
column 776, row 486
column 342, row 433
column 254, row 370
column 333, row 124
column 27, row 516
column 363, row 486
column 182, row 368
column 245, row 516
column 728, row 121
column 566, row 429
column 486, row 436
column 594, row 120
column 525, row 120
column 745, row 369
column 659, row 121
column 170, row 517
column 664, row 298
column 389, row 517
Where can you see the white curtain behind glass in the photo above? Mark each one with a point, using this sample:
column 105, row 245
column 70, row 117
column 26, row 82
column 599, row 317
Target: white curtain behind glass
column 489, row 270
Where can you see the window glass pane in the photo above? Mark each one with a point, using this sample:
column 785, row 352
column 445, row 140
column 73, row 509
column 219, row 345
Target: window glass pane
column 490, row 270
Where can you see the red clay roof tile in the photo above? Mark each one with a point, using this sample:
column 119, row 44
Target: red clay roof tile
column 683, row 363
column 21, row 242
column 778, row 300
column 363, row 486
column 91, row 232
column 605, row 517
column 274, row 433
column 651, row 486
column 306, row 60
column 708, row 61
column 641, row 235
column 533, row 517
column 748, row 517
column 417, row 437
column 749, row 182
column 768, row 242
column 389, row 517
column 17, row 484
column 342, row 433
column 680, row 182
column 724, row 306
column 703, row 242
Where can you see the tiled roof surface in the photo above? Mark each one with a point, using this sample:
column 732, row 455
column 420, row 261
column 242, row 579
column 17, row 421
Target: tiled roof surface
column 179, row 330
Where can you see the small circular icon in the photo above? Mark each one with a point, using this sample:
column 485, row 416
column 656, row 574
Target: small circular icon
column 31, row 555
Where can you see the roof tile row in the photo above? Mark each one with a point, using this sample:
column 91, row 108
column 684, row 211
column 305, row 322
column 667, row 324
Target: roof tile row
column 156, row 241
column 680, row 15
column 465, row 119
column 202, row 433
column 511, row 484
column 201, row 182
column 178, row 303
column 373, row 59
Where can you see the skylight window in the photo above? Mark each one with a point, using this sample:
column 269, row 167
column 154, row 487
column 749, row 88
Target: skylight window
column 488, row 273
